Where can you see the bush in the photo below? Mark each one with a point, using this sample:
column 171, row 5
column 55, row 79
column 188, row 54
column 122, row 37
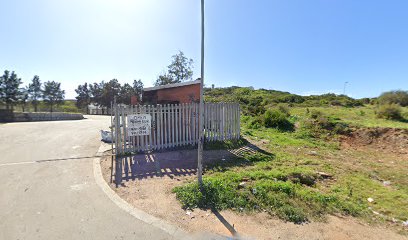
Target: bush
column 315, row 114
column 319, row 124
column 284, row 109
column 256, row 122
column 396, row 97
column 277, row 119
column 389, row 111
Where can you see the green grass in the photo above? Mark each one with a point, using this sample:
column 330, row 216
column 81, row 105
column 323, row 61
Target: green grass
column 284, row 181
column 285, row 192
column 357, row 116
column 388, row 201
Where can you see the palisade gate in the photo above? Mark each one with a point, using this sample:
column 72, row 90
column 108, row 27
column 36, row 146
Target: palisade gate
column 143, row 128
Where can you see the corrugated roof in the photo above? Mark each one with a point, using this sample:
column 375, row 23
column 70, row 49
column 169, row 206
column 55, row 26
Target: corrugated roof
column 172, row 85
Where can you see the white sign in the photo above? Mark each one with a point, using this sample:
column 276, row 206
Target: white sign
column 139, row 124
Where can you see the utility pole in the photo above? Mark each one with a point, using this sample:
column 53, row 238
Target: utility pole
column 201, row 116
column 344, row 88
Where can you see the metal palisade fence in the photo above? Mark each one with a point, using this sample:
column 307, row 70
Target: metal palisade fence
column 142, row 128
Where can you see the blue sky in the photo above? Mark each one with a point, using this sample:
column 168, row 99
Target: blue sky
column 304, row 47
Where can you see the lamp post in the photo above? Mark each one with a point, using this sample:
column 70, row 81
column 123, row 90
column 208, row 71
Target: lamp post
column 201, row 109
column 344, row 88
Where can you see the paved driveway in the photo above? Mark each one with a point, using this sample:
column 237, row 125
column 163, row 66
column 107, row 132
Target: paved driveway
column 48, row 189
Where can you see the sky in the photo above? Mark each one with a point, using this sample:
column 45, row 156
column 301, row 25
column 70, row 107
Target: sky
column 303, row 47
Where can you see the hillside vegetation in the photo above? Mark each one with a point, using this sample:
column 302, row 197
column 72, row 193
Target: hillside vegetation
column 327, row 154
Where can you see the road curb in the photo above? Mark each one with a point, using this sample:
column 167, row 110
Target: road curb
column 172, row 230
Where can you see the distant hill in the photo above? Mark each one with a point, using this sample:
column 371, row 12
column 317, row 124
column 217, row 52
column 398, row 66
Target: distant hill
column 255, row 101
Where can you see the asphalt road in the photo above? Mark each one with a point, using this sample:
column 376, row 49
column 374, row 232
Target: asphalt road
column 48, row 189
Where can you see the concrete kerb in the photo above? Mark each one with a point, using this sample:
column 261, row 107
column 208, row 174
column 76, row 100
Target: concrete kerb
column 174, row 231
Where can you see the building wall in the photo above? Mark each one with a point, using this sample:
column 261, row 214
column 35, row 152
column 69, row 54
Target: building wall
column 183, row 94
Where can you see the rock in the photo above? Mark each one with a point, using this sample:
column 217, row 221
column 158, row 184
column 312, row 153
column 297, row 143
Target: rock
column 242, row 184
column 254, row 191
column 188, row 213
column 405, row 224
column 386, row 183
column 324, row 175
column 313, row 153
column 370, row 200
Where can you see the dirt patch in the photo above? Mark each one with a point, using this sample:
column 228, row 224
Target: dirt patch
column 383, row 139
column 151, row 191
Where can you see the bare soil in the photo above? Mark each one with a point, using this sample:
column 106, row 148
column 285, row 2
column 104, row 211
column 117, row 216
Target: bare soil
column 389, row 140
column 157, row 174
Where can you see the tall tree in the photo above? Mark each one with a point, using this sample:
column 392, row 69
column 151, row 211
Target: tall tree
column 180, row 69
column 164, row 79
column 84, row 96
column 9, row 85
column 125, row 94
column 23, row 97
column 110, row 90
column 35, row 91
column 52, row 94
column 96, row 92
column 1, row 89
column 138, row 89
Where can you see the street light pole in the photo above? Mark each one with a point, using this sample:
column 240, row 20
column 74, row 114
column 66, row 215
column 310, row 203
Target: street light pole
column 344, row 89
column 201, row 116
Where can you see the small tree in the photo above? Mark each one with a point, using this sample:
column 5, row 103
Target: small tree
column 9, row 88
column 35, row 92
column 181, row 69
column 84, row 96
column 52, row 94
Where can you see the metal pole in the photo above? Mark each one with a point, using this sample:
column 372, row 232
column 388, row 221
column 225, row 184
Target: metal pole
column 111, row 130
column 201, row 116
column 344, row 89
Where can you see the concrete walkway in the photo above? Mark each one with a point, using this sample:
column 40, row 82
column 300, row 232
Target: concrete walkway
column 48, row 190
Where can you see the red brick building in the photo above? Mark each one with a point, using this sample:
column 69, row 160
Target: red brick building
column 185, row 92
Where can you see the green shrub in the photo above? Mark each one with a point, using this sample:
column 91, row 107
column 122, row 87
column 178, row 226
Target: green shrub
column 396, row 97
column 277, row 119
column 315, row 114
column 389, row 111
column 318, row 124
column 361, row 113
column 256, row 122
column 284, row 109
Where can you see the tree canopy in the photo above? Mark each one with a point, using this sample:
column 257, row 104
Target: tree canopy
column 35, row 91
column 180, row 70
column 52, row 94
column 9, row 88
column 397, row 97
column 84, row 96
